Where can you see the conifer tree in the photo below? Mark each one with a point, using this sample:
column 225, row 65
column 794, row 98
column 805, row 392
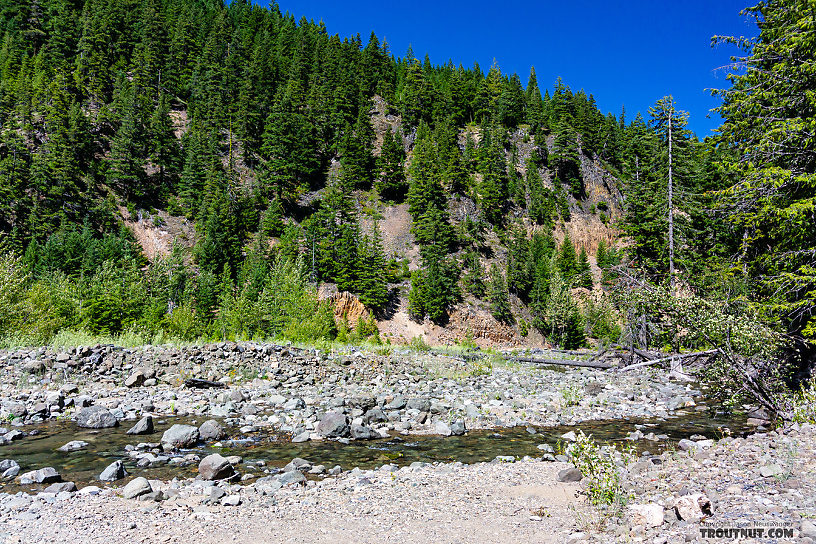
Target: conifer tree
column 499, row 297
column 288, row 145
column 473, row 279
column 567, row 261
column 533, row 106
column 391, row 183
column 372, row 282
column 583, row 271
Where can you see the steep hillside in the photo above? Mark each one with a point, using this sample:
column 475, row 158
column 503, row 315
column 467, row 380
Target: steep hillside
column 228, row 147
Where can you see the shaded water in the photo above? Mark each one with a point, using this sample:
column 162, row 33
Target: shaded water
column 107, row 445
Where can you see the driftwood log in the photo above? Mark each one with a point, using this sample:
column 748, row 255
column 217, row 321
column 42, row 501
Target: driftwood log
column 674, row 357
column 563, row 362
column 198, row 383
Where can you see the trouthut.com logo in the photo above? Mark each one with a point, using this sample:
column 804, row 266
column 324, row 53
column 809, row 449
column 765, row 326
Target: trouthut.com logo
column 740, row 530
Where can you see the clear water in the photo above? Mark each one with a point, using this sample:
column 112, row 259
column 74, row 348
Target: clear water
column 107, row 445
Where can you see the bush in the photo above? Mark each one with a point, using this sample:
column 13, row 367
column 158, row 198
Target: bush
column 602, row 477
column 803, row 403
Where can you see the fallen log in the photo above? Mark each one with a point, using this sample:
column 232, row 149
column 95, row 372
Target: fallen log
column 562, row 362
column 198, row 383
column 676, row 356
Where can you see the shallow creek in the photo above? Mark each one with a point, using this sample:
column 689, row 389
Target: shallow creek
column 106, row 445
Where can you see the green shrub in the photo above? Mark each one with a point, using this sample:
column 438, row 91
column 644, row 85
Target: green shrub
column 418, row 343
column 602, row 477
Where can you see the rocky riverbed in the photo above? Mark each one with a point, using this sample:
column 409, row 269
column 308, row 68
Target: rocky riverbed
column 182, row 456
column 713, row 490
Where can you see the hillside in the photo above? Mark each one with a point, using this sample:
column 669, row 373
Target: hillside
column 209, row 148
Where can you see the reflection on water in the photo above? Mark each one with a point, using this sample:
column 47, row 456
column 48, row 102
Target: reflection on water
column 106, row 445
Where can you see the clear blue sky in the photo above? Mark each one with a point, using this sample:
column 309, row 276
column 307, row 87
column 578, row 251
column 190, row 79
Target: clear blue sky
column 626, row 53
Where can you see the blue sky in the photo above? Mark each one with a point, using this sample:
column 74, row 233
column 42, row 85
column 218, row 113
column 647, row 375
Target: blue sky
column 626, row 53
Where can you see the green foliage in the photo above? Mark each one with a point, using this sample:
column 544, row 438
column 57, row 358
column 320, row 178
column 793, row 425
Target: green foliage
column 434, row 288
column 567, row 261
column 473, row 279
column 557, row 316
column 499, row 297
column 583, row 277
column 768, row 128
column 13, row 277
column 602, row 477
column 602, row 320
column 803, row 403
column 571, row 395
column 391, row 183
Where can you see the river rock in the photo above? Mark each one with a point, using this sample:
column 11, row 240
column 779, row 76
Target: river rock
column 96, row 417
column 419, row 404
column 144, row 426
column 16, row 409
column 361, row 432
column 211, row 430
column 137, row 487
column 45, row 475
column 648, row 515
column 292, row 477
column 686, row 445
column 769, row 471
column 443, row 428
column 73, row 445
column 180, row 436
column 9, row 469
column 693, row 507
column 295, row 403
column 135, row 380
column 571, row 474
column 808, row 529
column 301, row 437
column 458, row 428
column 215, row 467
column 398, row 403
column 333, row 425
column 14, row 434
column 61, row 487
column 298, row 464
column 114, row 471
column 231, row 500
column 375, row 415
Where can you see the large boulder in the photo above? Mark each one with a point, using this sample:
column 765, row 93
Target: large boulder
column 73, row 445
column 45, row 475
column 135, row 380
column 211, row 430
column 136, row 488
column 443, row 428
column 420, row 404
column 570, row 474
column 180, row 436
column 9, row 469
column 458, row 428
column 647, row 515
column 61, row 487
column 144, row 426
column 362, row 432
column 96, row 417
column 692, row 508
column 114, row 471
column 215, row 467
column 333, row 425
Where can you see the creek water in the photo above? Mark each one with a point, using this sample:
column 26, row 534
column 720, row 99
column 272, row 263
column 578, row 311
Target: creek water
column 106, row 445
